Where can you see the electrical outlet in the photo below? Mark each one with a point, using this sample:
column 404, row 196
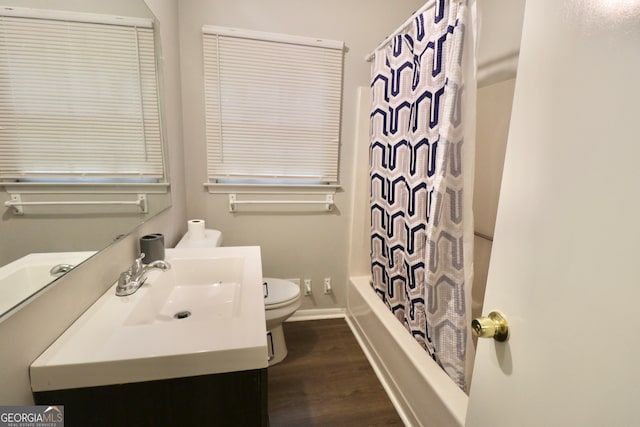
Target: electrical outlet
column 307, row 286
column 327, row 285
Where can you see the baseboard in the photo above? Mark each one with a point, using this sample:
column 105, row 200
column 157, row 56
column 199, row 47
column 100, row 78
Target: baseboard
column 317, row 314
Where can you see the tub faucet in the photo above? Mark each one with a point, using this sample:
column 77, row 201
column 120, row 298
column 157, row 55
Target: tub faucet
column 131, row 280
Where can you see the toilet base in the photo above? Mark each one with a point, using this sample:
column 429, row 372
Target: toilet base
column 276, row 346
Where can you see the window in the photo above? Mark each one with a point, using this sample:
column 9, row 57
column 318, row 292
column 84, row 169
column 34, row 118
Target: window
column 272, row 107
column 78, row 99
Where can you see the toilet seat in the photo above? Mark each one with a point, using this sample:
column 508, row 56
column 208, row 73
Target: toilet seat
column 279, row 292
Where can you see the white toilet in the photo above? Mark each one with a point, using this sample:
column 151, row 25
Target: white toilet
column 281, row 298
column 212, row 238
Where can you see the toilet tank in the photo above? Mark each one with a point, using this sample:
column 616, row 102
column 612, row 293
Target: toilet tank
column 212, row 238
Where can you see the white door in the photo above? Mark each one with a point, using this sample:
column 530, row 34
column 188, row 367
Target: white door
column 565, row 267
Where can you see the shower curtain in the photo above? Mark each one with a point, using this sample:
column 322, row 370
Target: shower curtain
column 421, row 176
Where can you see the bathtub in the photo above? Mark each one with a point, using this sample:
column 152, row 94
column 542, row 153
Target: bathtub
column 422, row 393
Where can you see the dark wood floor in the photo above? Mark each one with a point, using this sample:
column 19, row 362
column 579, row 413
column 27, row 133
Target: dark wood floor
column 326, row 380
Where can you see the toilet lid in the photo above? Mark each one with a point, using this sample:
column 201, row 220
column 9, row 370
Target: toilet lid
column 277, row 291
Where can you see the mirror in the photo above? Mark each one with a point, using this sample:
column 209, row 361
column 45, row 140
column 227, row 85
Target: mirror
column 72, row 232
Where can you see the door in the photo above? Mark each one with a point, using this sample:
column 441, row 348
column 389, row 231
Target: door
column 565, row 266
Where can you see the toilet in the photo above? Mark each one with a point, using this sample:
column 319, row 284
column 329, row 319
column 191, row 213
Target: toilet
column 281, row 298
column 212, row 238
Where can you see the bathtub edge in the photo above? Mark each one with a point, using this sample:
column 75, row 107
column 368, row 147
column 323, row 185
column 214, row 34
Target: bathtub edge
column 423, row 394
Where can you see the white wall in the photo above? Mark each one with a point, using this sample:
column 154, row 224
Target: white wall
column 493, row 115
column 311, row 245
column 28, row 331
column 499, row 31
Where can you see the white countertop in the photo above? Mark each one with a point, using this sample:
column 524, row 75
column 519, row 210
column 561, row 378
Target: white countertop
column 27, row 275
column 104, row 346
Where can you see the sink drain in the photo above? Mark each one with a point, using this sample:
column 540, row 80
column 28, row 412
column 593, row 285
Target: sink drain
column 182, row 314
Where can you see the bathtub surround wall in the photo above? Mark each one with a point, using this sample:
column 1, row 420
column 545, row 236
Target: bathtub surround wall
column 493, row 116
column 499, row 30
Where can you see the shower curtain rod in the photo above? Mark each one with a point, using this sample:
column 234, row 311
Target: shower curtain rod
column 428, row 5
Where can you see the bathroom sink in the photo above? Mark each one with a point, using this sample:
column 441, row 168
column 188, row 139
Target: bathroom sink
column 193, row 290
column 27, row 275
column 203, row 316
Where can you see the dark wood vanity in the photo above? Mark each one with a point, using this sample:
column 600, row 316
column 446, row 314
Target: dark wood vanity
column 227, row 399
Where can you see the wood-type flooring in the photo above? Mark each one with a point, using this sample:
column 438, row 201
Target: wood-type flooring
column 326, row 380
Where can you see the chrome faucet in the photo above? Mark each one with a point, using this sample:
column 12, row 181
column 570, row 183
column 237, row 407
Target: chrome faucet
column 131, row 280
column 60, row 269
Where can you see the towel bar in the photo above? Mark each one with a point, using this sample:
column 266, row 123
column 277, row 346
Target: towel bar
column 17, row 204
column 233, row 202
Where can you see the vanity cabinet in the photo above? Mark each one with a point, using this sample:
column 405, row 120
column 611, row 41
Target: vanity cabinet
column 226, row 399
column 129, row 361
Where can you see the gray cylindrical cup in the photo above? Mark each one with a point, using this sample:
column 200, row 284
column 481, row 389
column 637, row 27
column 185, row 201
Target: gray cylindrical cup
column 152, row 246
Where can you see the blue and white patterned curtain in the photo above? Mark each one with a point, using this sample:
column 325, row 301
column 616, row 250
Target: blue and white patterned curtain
column 421, row 170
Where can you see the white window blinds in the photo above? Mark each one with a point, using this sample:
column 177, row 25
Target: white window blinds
column 78, row 100
column 272, row 107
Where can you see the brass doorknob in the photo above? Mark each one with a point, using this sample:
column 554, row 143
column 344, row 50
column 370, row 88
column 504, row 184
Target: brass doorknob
column 493, row 326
